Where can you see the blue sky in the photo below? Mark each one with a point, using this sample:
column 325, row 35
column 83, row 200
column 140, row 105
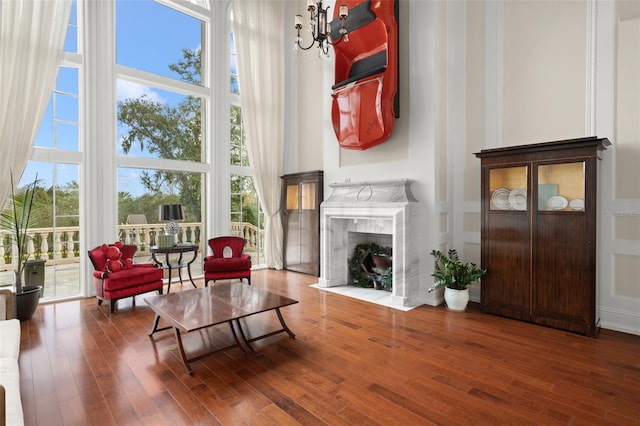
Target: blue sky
column 149, row 37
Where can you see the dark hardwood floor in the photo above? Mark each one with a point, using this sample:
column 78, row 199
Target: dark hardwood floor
column 352, row 363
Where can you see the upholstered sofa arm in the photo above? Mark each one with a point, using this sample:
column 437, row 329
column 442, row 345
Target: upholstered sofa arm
column 101, row 275
column 7, row 310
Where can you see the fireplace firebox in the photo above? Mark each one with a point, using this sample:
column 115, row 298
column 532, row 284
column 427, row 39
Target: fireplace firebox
column 386, row 208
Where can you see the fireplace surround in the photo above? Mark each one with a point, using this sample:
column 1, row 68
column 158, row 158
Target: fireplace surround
column 384, row 207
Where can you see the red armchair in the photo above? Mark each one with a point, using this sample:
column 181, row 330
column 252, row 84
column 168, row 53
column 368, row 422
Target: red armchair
column 227, row 261
column 116, row 276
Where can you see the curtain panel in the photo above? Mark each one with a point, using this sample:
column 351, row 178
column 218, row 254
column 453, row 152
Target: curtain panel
column 31, row 46
column 257, row 28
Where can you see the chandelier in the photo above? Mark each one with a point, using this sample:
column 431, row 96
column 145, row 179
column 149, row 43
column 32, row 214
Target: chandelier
column 320, row 28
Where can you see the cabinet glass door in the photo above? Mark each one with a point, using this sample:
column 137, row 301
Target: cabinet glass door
column 308, row 190
column 561, row 186
column 292, row 197
column 508, row 188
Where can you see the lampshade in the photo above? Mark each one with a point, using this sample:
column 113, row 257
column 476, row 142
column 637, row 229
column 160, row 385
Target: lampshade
column 171, row 212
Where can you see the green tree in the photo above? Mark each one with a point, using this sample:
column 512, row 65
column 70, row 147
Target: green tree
column 171, row 132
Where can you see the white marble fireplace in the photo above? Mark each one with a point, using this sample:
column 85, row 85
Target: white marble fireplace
column 382, row 208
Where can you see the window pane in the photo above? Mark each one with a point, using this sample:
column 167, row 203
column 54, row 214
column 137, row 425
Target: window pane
column 238, row 147
column 44, row 137
column 156, row 45
column 247, row 219
column 142, row 191
column 67, row 80
column 66, row 136
column 65, row 107
column 71, row 40
column 54, row 229
column 59, row 126
column 157, row 123
column 233, row 71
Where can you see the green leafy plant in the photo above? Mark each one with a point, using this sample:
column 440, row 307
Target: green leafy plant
column 449, row 271
column 16, row 218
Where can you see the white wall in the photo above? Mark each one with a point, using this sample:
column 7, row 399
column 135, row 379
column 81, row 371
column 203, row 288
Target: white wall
column 484, row 74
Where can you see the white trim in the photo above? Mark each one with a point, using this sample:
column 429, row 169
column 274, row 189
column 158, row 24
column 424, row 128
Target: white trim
column 161, row 82
column 620, row 320
column 456, row 114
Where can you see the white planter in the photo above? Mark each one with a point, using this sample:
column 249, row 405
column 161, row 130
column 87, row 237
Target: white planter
column 456, row 300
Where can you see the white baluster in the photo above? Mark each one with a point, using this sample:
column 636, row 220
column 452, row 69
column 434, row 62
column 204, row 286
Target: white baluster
column 30, row 247
column 147, row 238
column 70, row 244
column 57, row 245
column 44, row 247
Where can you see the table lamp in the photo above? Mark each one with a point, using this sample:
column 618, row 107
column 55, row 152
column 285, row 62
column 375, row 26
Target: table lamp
column 171, row 213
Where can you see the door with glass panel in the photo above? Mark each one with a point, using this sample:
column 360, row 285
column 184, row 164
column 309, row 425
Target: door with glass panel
column 302, row 195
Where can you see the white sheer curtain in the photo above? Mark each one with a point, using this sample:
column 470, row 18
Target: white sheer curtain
column 31, row 42
column 257, row 28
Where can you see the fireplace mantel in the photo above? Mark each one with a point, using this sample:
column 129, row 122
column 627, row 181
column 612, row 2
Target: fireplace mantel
column 366, row 192
column 374, row 207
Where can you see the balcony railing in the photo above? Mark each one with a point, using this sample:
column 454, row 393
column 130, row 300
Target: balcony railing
column 62, row 245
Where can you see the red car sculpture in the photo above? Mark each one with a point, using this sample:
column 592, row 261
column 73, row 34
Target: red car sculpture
column 365, row 93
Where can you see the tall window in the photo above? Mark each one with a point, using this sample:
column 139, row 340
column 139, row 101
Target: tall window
column 161, row 102
column 247, row 218
column 54, row 230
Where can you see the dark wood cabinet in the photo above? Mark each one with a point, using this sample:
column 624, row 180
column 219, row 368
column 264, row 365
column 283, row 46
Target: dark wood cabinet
column 539, row 211
column 302, row 194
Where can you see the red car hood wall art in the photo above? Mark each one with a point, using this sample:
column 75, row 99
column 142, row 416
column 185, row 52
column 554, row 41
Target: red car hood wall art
column 365, row 93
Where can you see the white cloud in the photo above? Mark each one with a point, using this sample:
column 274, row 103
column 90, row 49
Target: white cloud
column 130, row 90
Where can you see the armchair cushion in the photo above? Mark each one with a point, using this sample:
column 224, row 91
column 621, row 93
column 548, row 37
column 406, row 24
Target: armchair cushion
column 131, row 277
column 227, row 264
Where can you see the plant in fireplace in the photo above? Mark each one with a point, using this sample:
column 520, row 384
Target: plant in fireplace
column 371, row 266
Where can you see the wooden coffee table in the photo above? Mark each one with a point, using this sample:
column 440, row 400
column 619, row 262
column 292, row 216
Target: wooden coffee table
column 199, row 308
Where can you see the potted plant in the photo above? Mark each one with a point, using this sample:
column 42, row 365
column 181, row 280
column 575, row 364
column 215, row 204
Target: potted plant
column 16, row 218
column 456, row 277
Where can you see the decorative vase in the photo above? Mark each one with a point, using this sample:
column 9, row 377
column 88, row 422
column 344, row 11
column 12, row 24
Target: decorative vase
column 456, row 300
column 27, row 302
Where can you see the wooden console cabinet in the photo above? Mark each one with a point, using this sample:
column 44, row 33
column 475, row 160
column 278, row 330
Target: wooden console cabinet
column 302, row 194
column 538, row 232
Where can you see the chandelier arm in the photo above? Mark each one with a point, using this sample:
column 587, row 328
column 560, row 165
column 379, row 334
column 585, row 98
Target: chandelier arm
column 337, row 42
column 308, row 47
